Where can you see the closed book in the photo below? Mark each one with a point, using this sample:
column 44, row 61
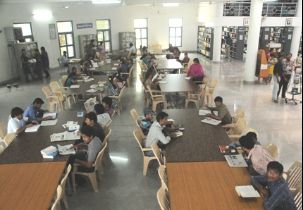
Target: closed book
column 49, row 152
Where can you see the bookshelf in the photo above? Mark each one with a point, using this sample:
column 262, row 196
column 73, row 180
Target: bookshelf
column 239, row 36
column 205, row 41
column 125, row 38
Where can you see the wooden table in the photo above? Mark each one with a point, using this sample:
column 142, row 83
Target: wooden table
column 108, row 69
column 200, row 141
column 176, row 83
column 208, row 186
column 27, row 146
column 168, row 64
column 30, row 186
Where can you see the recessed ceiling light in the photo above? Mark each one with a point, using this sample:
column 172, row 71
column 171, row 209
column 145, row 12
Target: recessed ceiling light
column 66, row 7
column 106, row 1
column 170, row 4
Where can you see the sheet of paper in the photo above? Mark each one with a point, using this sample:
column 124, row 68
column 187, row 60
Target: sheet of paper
column 32, row 129
column 247, row 191
column 236, row 161
column 162, row 82
column 203, row 112
column 65, row 136
column 53, row 115
column 93, row 86
column 49, row 122
column 91, row 91
column 211, row 121
column 74, row 86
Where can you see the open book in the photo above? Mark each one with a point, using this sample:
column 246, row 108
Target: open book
column 203, row 112
column 52, row 115
column 211, row 121
column 64, row 136
column 247, row 191
column 66, row 149
column 32, row 129
column 49, row 122
column 236, row 161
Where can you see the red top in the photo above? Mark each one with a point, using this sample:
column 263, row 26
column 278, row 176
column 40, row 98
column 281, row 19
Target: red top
column 195, row 70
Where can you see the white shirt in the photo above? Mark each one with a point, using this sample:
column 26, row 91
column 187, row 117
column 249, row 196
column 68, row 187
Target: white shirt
column 103, row 119
column 14, row 124
column 155, row 134
column 133, row 50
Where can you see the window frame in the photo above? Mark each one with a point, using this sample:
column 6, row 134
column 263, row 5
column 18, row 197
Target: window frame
column 141, row 28
column 25, row 37
column 65, row 34
column 175, row 37
column 104, row 30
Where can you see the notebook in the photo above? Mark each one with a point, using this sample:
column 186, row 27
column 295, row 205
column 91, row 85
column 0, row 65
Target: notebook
column 64, row 136
column 74, row 86
column 53, row 115
column 49, row 122
column 247, row 191
column 32, row 129
column 49, row 152
column 203, row 112
column 236, row 161
column 211, row 121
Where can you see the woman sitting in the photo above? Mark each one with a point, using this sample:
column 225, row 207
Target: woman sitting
column 71, row 79
column 196, row 72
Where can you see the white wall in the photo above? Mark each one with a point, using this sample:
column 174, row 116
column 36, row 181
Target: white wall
column 121, row 21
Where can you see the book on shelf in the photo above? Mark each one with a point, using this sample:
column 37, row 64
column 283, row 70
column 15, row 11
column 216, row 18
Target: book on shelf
column 49, row 152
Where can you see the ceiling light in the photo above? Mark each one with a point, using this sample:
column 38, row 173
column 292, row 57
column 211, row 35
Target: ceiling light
column 66, row 7
column 270, row 0
column 170, row 4
column 106, row 1
column 42, row 15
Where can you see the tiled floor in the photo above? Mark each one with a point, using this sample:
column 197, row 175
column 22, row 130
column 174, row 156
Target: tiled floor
column 123, row 186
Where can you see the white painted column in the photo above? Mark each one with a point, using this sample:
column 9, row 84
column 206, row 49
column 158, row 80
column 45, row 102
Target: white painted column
column 253, row 40
column 218, row 33
column 295, row 42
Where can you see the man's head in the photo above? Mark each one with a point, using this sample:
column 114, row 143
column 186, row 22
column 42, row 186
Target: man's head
column 42, row 49
column 90, row 119
column 107, row 102
column 17, row 112
column 162, row 118
column 131, row 44
column 87, row 134
column 99, row 109
column 288, row 57
column 218, row 101
column 148, row 114
column 186, row 54
column 253, row 136
column 37, row 103
column 274, row 171
column 246, row 143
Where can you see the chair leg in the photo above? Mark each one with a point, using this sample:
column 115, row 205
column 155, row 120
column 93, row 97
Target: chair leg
column 186, row 103
column 65, row 201
column 145, row 165
column 93, row 180
column 154, row 106
column 74, row 182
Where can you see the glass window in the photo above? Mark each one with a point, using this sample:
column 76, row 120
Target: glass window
column 66, row 38
column 26, row 31
column 104, row 33
column 175, row 31
column 65, row 27
column 141, row 29
column 102, row 24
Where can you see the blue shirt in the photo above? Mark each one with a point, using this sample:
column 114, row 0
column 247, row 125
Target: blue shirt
column 31, row 113
column 280, row 197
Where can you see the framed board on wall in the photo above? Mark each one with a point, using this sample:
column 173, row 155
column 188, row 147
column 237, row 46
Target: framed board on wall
column 52, row 31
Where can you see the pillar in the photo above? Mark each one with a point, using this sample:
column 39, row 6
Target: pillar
column 253, row 40
column 295, row 42
column 218, row 33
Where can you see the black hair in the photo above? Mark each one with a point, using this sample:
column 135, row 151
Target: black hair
column 219, row 99
column 91, row 116
column 247, row 142
column 196, row 60
column 42, row 48
column 161, row 116
column 87, row 131
column 99, row 108
column 108, row 101
column 16, row 111
column 38, row 101
column 131, row 44
column 252, row 135
column 275, row 165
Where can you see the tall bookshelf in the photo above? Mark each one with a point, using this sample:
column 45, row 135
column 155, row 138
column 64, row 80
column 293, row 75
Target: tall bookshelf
column 205, row 41
column 125, row 38
column 239, row 38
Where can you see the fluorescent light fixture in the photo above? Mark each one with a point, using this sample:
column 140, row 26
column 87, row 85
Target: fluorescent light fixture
column 42, row 15
column 106, row 1
column 170, row 4
column 270, row 0
column 118, row 159
column 66, row 7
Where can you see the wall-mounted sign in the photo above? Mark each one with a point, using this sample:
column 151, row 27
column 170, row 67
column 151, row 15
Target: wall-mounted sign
column 84, row 25
column 245, row 21
column 52, row 31
column 288, row 22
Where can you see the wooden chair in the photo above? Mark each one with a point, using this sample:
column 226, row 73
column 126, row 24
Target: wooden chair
column 106, row 142
column 63, row 184
column 157, row 152
column 196, row 98
column 294, row 176
column 143, row 66
column 2, row 148
column 8, row 139
column 273, row 150
column 89, row 104
column 57, row 203
column 163, row 176
column 135, row 115
column 53, row 101
column 163, row 199
column 157, row 97
column 106, row 128
column 236, row 129
column 92, row 176
column 140, row 140
column 62, row 80
column 2, row 130
column 209, row 91
column 118, row 99
column 298, row 198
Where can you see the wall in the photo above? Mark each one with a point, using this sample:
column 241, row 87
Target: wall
column 121, row 20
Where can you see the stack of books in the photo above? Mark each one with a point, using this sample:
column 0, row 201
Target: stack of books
column 49, row 152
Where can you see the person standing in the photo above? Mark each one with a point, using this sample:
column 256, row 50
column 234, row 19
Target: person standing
column 45, row 61
column 25, row 65
column 38, row 65
column 288, row 67
column 228, row 44
column 277, row 75
column 132, row 51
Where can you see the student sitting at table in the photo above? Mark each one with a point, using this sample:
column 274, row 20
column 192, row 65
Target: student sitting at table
column 87, row 151
column 147, row 121
column 63, row 60
column 257, row 156
column 251, row 135
column 186, row 59
column 108, row 105
column 16, row 123
column 223, row 112
column 274, row 188
column 195, row 71
column 155, row 133
column 151, row 82
column 91, row 121
column 103, row 117
column 34, row 111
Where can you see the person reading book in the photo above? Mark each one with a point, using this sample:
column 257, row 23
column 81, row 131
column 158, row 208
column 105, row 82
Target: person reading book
column 274, row 188
column 223, row 112
column 91, row 120
column 257, row 156
column 34, row 112
column 103, row 118
column 86, row 152
column 16, row 123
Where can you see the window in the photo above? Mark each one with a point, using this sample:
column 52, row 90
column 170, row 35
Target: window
column 140, row 26
column 175, row 32
column 104, row 33
column 26, row 31
column 66, row 38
